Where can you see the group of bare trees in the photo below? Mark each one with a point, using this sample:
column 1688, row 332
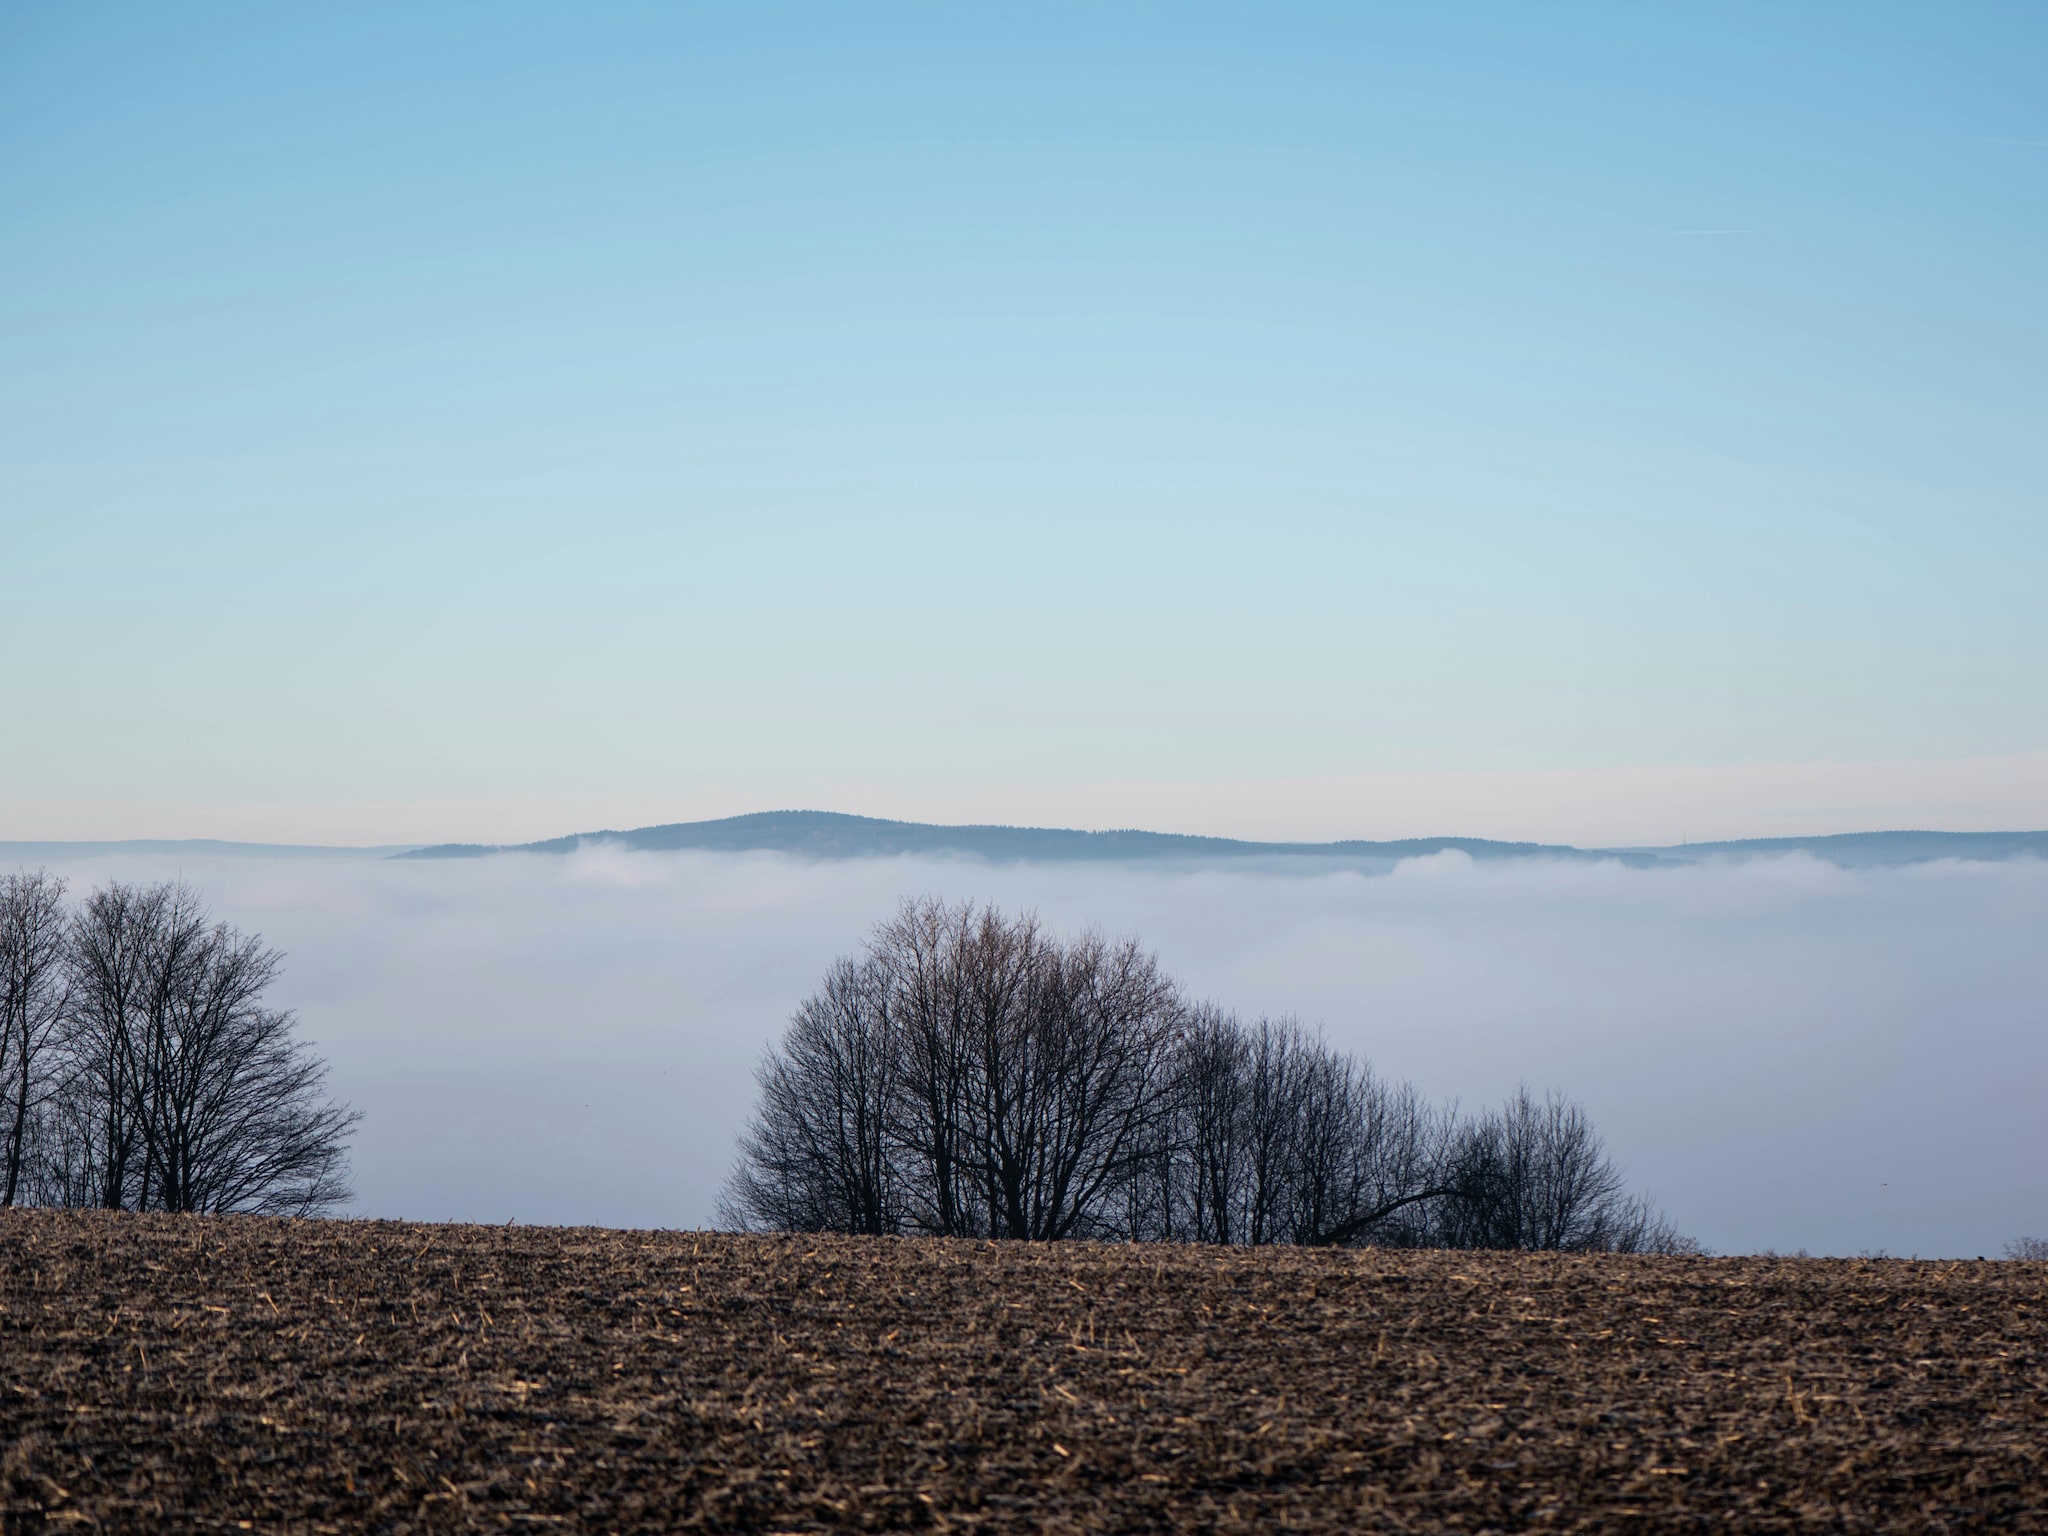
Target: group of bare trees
column 140, row 1068
column 971, row 1074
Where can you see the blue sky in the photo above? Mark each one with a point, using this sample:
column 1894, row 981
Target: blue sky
column 488, row 421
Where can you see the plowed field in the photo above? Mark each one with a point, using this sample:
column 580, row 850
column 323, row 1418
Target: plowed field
column 238, row 1374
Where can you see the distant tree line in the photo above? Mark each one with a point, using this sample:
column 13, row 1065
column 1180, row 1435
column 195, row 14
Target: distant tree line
column 972, row 1074
column 139, row 1067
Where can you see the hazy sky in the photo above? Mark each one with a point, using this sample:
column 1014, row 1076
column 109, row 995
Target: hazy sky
column 1788, row 1054
column 1606, row 422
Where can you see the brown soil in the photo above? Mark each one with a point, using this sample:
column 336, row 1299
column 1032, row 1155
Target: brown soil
column 202, row 1374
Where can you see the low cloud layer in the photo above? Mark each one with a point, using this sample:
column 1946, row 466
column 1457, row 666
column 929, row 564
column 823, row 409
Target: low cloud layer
column 1787, row 1054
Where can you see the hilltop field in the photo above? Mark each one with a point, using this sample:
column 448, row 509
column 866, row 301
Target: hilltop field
column 197, row 1374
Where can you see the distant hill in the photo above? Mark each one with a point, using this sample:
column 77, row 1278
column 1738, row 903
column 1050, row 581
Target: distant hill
column 831, row 835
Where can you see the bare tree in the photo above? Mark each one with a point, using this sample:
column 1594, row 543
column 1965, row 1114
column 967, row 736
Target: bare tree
column 1287, row 1140
column 1072, row 1081
column 1204, row 1168
column 113, row 951
column 1535, row 1175
column 927, row 951
column 32, row 931
column 816, row 1157
column 182, row 1091
column 1365, row 1154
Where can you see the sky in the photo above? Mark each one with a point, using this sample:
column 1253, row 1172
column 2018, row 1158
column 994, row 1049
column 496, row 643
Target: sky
column 1601, row 423
column 1785, row 1054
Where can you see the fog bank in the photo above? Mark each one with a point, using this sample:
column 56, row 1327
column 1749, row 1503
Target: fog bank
column 1789, row 1055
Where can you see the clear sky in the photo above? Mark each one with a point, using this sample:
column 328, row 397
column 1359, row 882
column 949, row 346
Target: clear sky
column 1591, row 421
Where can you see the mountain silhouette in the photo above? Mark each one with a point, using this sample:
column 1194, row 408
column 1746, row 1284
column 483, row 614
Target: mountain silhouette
column 833, row 835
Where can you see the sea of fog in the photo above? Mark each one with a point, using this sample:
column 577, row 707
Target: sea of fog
column 1788, row 1055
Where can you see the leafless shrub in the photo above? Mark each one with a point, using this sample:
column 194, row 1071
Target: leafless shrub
column 2031, row 1248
